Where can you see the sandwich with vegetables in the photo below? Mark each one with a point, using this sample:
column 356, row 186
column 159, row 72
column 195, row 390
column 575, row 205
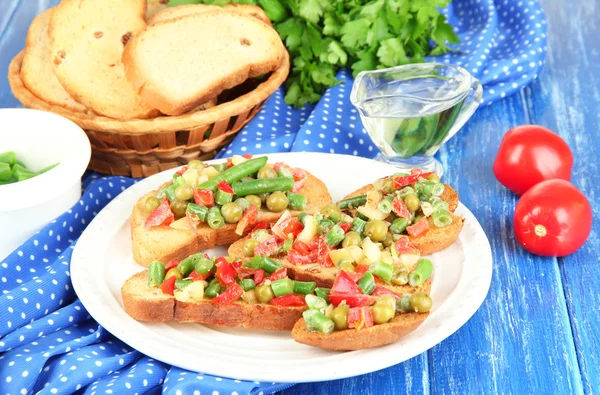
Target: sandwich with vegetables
column 355, row 313
column 207, row 205
column 383, row 228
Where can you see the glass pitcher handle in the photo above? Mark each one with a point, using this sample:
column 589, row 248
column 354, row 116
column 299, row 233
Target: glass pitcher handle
column 470, row 105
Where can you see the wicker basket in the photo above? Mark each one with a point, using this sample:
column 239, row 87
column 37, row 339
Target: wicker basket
column 142, row 147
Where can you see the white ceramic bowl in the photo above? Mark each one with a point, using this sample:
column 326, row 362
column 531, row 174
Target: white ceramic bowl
column 39, row 139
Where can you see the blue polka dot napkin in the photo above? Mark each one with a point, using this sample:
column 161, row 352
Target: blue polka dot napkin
column 48, row 342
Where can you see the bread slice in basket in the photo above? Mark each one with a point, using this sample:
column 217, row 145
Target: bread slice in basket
column 36, row 71
column 87, row 41
column 192, row 9
column 175, row 68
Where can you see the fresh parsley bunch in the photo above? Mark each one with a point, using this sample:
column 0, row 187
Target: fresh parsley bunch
column 324, row 35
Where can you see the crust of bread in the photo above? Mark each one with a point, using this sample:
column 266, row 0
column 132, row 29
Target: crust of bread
column 352, row 339
column 242, row 61
column 145, row 303
column 87, row 41
column 164, row 243
column 169, row 13
column 36, row 71
column 154, row 7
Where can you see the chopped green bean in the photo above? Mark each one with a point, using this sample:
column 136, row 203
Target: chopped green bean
column 334, row 236
column 352, row 202
column 265, row 185
column 204, row 265
column 382, row 270
column 214, row 218
column 269, row 265
column 323, row 293
column 181, row 284
column 441, row 218
column 247, row 284
column 200, row 211
column 358, row 225
column 399, row 225
column 8, row 157
column 235, row 173
column 156, row 274
column 301, row 217
column 296, row 201
column 284, row 171
column 222, row 198
column 287, row 244
column 403, row 304
column 367, row 283
column 5, row 171
column 315, row 302
column 281, row 287
column 421, row 272
column 213, row 289
column 317, row 321
column 186, row 266
column 170, row 192
column 243, row 203
column 304, row 287
column 385, row 206
column 220, row 167
column 324, row 226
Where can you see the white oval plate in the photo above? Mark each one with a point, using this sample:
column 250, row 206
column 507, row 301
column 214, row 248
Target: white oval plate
column 103, row 260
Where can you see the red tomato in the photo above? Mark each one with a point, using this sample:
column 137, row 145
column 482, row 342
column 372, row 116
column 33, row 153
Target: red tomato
column 345, row 284
column 352, row 300
column 248, row 219
column 289, row 300
column 204, row 197
column 399, row 208
column 225, row 272
column 360, row 317
column 231, row 294
column 422, row 226
column 530, row 154
column 168, row 286
column 162, row 215
column 553, row 218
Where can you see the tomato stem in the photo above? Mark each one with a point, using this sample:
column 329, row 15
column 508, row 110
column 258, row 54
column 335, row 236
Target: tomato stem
column 540, row 230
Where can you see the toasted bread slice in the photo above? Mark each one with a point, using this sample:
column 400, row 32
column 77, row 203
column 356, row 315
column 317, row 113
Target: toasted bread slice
column 436, row 239
column 192, row 9
column 242, row 47
column 36, row 71
column 87, row 40
column 164, row 243
column 145, row 303
column 375, row 336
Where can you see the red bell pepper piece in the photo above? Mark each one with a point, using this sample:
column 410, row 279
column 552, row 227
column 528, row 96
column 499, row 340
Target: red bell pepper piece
column 404, row 246
column 355, row 276
column 300, row 247
column 247, row 156
column 320, row 251
column 278, row 275
column 360, row 317
column 195, row 276
column 162, row 215
column 361, row 269
column 259, row 276
column 259, row 225
column 345, row 284
column 204, row 197
column 414, row 176
column 267, row 247
column 225, row 271
column 300, row 178
column 346, row 226
column 421, row 227
column 245, row 272
column 237, row 264
column 379, row 290
column 231, row 294
column 182, row 170
column 248, row 219
column 224, row 186
column 294, row 227
column 352, row 300
column 172, row 263
column 399, row 208
column 279, row 165
column 168, row 286
column 297, row 258
column 289, row 300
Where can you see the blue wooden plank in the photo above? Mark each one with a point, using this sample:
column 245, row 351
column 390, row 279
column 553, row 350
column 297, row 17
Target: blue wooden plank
column 566, row 99
column 520, row 340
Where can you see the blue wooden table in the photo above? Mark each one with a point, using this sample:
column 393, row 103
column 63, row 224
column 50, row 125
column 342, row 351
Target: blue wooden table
column 539, row 329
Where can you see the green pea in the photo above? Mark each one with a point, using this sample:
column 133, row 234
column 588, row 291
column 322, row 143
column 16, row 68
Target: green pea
column 376, row 229
column 151, row 203
column 351, row 239
column 388, row 241
column 231, row 212
column 340, row 317
column 195, row 164
column 174, row 272
column 277, row 202
column 184, row 192
column 178, row 208
column 433, row 177
column 267, row 172
column 264, row 293
column 420, row 302
column 249, row 246
column 412, row 202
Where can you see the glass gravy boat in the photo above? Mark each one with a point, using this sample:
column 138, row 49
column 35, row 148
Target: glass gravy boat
column 410, row 111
